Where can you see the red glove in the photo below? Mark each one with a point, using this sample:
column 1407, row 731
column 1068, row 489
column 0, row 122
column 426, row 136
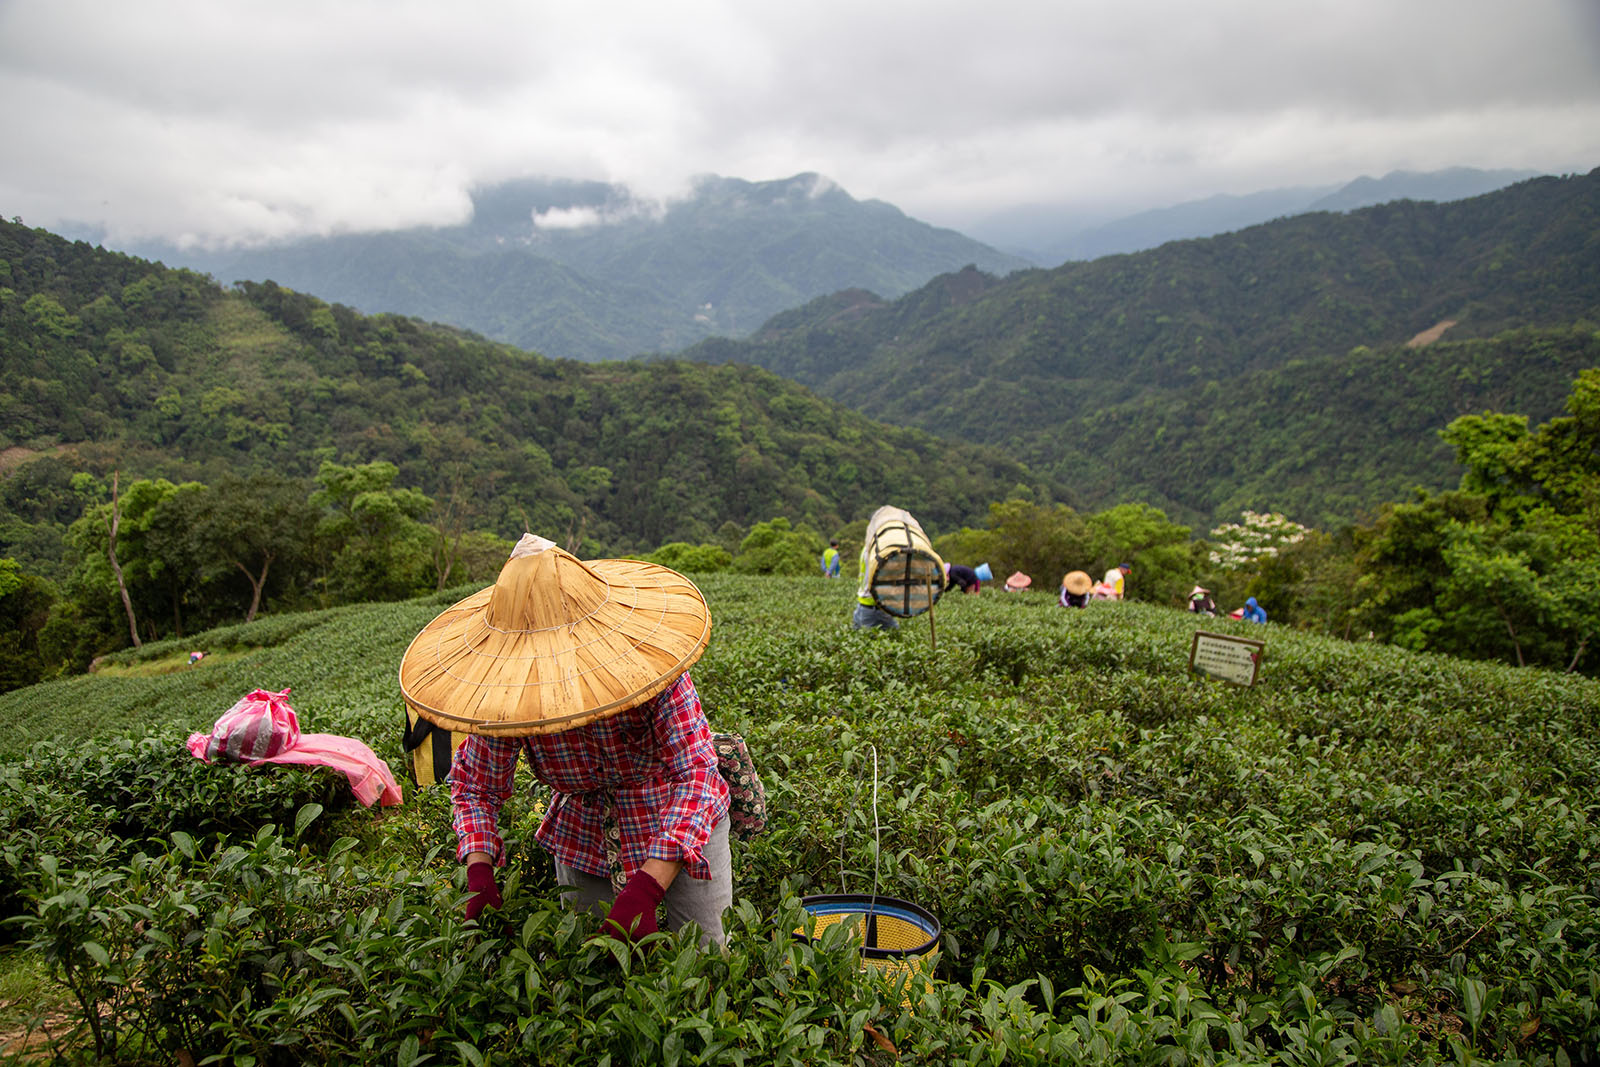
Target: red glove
column 633, row 913
column 485, row 893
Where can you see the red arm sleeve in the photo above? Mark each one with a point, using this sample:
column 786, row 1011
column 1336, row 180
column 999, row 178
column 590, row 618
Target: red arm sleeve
column 481, row 776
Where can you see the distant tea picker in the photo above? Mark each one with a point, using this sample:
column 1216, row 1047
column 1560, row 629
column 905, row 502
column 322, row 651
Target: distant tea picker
column 969, row 579
column 901, row 575
column 1115, row 582
column 1075, row 587
column 582, row 669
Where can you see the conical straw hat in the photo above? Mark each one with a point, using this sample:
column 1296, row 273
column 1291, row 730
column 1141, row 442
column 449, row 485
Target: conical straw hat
column 1077, row 582
column 554, row 644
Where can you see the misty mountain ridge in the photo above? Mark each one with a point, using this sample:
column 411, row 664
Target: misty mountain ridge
column 1438, row 186
column 588, row 270
column 1051, row 236
column 591, row 270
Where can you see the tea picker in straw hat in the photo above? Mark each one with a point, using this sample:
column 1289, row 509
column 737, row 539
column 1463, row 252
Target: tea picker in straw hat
column 1075, row 587
column 582, row 669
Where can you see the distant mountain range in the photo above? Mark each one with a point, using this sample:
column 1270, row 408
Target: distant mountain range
column 1188, row 374
column 585, row 270
column 1302, row 365
column 1050, row 237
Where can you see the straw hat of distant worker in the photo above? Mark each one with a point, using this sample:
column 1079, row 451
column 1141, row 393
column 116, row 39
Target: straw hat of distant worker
column 1018, row 582
column 554, row 644
column 1077, row 582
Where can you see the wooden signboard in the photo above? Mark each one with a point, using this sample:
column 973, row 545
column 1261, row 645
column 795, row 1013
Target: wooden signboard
column 1232, row 659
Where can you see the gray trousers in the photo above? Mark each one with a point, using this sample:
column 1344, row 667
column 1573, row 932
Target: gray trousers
column 866, row 616
column 687, row 898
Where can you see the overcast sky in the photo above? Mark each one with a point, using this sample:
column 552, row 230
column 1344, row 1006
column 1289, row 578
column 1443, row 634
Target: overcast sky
column 231, row 120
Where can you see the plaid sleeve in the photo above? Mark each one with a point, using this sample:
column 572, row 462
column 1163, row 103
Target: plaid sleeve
column 699, row 797
column 481, row 776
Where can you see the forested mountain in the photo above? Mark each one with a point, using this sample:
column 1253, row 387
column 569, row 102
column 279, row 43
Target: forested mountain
column 1267, row 344
column 1328, row 440
column 583, row 270
column 110, row 362
column 1051, row 237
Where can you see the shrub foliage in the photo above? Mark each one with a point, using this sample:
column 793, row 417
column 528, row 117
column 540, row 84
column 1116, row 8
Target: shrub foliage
column 1372, row 856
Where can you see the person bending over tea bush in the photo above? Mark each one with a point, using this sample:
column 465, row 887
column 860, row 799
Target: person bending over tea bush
column 582, row 669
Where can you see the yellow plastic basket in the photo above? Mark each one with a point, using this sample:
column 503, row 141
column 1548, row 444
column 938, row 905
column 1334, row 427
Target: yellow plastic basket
column 897, row 937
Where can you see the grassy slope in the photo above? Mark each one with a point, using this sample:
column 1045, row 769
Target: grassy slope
column 1067, row 798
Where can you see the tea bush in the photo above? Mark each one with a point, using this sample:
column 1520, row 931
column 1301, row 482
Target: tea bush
column 1370, row 856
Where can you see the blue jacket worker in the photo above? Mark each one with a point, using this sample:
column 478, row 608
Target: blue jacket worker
column 1254, row 612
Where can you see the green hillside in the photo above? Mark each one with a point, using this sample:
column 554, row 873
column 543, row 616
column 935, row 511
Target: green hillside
column 1044, row 363
column 1372, row 856
column 108, row 362
column 1328, row 440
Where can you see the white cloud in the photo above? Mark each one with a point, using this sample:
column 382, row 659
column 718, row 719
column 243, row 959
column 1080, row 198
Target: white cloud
column 241, row 122
column 567, row 218
column 582, row 216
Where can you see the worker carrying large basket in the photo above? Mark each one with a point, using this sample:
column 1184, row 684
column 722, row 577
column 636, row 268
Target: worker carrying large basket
column 901, row 575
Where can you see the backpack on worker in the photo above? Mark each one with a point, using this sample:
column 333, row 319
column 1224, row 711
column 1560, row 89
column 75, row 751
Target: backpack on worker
column 900, row 572
column 747, row 799
column 429, row 748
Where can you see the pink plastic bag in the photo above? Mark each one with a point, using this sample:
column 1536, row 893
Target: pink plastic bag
column 259, row 726
column 263, row 728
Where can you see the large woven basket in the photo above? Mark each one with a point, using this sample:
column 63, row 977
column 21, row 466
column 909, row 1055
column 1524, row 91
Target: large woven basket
column 899, row 566
column 897, row 937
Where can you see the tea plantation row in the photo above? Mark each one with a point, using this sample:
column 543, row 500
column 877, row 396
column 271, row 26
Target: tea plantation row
column 1371, row 856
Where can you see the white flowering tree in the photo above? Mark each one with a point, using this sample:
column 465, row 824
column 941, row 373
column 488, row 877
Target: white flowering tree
column 1259, row 537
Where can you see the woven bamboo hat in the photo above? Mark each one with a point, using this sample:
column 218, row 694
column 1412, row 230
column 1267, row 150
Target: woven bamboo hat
column 554, row 644
column 1077, row 582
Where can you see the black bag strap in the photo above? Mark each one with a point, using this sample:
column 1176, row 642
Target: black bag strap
column 413, row 734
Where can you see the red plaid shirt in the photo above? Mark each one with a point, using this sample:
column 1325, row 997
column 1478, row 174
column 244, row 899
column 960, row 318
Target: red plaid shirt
column 654, row 762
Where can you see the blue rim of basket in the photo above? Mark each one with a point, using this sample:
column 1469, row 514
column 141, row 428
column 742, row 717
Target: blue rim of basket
column 866, row 904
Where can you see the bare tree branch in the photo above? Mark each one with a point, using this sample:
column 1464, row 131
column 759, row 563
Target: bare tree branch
column 116, row 568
